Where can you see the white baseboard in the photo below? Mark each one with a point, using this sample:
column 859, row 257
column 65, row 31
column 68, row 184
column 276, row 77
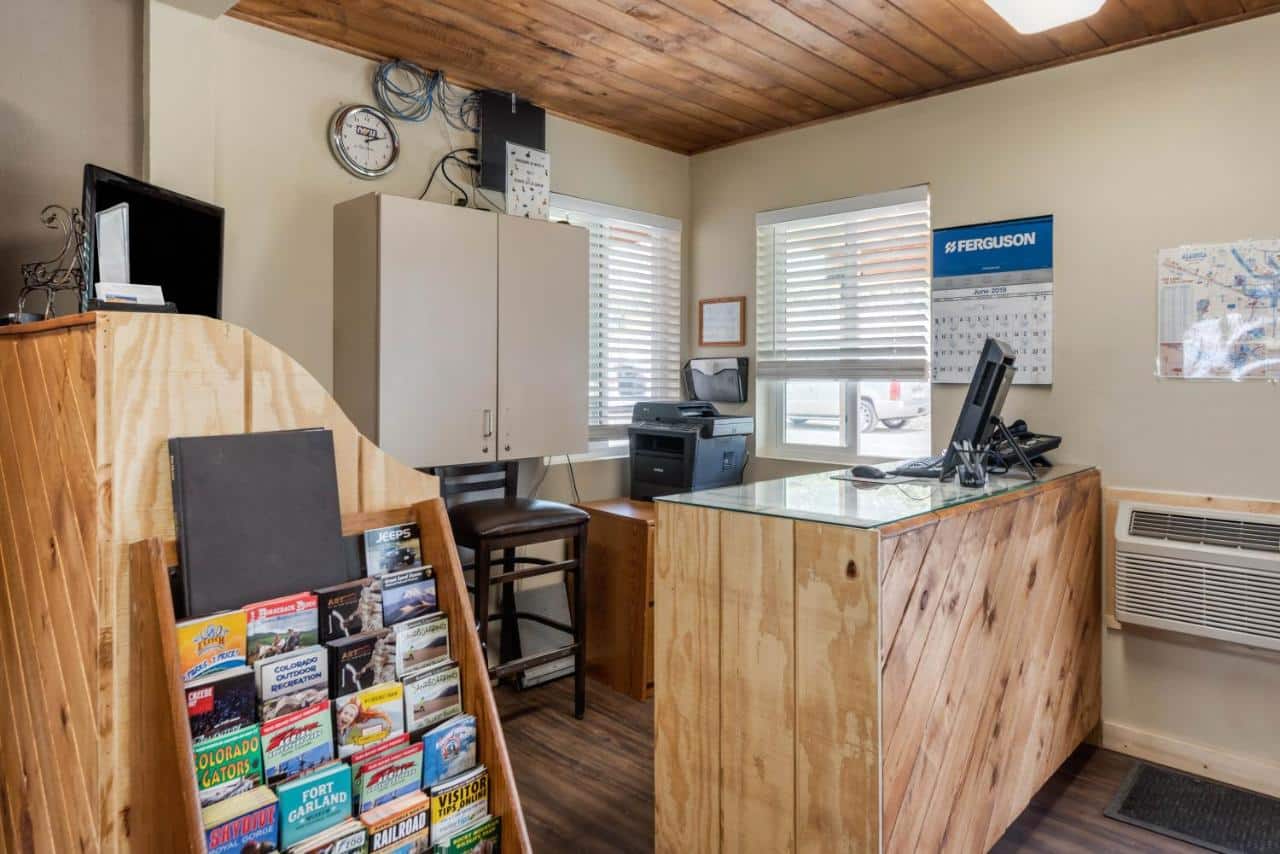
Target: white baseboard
column 1244, row 771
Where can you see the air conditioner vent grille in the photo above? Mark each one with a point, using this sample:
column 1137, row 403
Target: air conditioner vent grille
column 1197, row 596
column 1206, row 530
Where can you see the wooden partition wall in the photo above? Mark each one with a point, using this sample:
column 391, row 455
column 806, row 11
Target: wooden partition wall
column 90, row 758
column 902, row 689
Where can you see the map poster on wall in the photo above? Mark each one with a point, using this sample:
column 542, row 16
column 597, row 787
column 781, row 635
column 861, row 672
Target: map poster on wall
column 528, row 182
column 1219, row 308
column 993, row 280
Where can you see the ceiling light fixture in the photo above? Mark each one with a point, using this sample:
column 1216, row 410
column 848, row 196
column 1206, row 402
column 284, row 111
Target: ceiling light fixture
column 1034, row 16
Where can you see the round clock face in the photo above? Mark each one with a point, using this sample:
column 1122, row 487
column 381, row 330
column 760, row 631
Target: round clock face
column 364, row 141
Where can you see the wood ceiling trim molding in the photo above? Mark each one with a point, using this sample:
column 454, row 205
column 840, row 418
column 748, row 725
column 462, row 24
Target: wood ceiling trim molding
column 1161, row 15
column 693, row 75
column 1116, row 24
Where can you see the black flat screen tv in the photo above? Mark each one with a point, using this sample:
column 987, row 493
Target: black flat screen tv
column 175, row 241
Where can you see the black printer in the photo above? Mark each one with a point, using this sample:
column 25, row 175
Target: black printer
column 682, row 446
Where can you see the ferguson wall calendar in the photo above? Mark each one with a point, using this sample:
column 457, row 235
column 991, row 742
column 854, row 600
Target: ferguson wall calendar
column 995, row 280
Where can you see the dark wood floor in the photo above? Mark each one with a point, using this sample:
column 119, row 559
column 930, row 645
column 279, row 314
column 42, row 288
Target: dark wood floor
column 587, row 786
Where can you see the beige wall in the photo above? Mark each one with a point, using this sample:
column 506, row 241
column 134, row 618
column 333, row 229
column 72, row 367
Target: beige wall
column 71, row 94
column 237, row 115
column 1149, row 148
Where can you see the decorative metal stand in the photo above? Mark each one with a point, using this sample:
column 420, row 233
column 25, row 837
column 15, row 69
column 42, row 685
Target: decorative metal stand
column 64, row 271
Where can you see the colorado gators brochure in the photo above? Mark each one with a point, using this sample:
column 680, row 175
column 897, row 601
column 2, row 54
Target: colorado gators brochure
column 228, row 764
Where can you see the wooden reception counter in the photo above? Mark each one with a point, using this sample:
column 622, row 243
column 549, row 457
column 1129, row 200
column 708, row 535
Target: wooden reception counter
column 852, row 667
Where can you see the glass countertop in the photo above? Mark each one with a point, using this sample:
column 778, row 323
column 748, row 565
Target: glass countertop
column 856, row 504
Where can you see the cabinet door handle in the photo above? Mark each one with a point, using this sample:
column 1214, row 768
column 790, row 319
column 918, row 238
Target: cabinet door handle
column 488, row 423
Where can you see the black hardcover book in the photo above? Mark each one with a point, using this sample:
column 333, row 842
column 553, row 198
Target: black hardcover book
column 257, row 517
column 361, row 661
column 348, row 609
column 221, row 703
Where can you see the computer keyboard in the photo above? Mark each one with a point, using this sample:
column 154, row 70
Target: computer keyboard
column 920, row 467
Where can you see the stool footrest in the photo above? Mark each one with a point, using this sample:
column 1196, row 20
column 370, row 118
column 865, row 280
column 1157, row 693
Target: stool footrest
column 522, row 664
column 537, row 618
column 532, row 571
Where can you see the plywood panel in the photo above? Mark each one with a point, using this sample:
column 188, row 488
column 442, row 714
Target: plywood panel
column 916, row 667
column 1004, row 685
column 757, row 683
column 687, row 680
column 283, row 395
column 86, row 406
column 159, row 809
column 908, row 643
column 947, row 725
column 837, row 664
column 53, row 627
column 439, row 550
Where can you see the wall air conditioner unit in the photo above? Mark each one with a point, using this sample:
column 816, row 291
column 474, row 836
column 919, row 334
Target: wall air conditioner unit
column 1202, row 572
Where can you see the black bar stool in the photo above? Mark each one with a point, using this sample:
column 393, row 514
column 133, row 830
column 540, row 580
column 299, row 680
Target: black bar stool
column 487, row 525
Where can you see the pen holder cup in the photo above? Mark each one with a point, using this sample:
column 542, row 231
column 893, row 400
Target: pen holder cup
column 973, row 477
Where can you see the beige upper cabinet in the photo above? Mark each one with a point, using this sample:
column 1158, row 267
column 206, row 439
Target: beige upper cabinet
column 460, row 335
column 542, row 338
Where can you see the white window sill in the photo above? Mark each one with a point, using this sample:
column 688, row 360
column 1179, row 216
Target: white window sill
column 614, row 449
column 835, row 462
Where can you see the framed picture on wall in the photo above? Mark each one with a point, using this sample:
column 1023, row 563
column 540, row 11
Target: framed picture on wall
column 722, row 322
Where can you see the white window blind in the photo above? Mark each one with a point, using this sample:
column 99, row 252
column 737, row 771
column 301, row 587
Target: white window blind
column 635, row 310
column 842, row 289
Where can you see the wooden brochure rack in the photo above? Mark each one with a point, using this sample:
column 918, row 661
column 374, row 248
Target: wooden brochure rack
column 96, row 753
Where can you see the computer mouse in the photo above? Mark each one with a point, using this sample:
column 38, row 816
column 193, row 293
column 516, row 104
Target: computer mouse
column 868, row 471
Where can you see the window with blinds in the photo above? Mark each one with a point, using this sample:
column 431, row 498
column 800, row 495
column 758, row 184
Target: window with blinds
column 842, row 289
column 635, row 319
column 843, row 329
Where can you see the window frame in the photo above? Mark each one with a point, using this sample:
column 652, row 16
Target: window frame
column 771, row 407
column 603, row 438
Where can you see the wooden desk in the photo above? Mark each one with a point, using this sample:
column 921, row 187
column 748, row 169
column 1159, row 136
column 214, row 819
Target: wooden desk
column 620, row 595
column 829, row 682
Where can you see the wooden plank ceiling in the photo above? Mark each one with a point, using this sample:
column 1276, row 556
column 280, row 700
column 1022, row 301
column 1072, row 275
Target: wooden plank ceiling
column 689, row 75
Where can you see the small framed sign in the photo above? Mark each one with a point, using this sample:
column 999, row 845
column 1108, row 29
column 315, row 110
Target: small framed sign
column 722, row 322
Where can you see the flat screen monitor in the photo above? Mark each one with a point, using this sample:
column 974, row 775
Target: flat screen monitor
column 175, row 241
column 983, row 401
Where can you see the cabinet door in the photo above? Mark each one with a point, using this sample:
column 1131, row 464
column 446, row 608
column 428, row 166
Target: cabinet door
column 437, row 318
column 542, row 338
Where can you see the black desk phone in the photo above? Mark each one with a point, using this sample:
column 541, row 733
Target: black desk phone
column 1033, row 445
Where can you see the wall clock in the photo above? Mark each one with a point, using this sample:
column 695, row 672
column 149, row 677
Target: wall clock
column 364, row 141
